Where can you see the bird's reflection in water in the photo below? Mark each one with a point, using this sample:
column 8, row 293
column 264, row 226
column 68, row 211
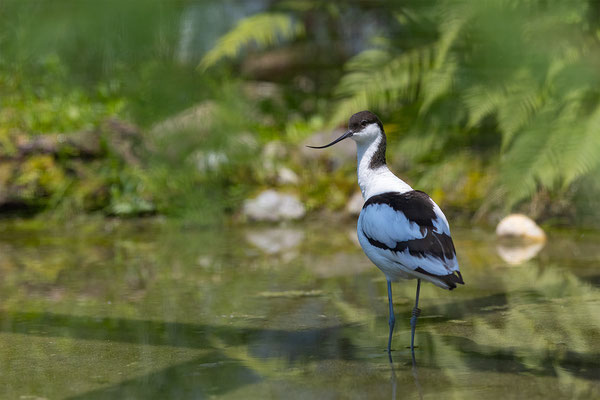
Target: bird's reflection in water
column 415, row 373
column 393, row 378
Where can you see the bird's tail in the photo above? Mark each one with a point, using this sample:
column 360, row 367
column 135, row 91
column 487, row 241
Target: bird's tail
column 445, row 281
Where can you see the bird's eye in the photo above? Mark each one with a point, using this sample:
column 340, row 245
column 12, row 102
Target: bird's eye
column 363, row 122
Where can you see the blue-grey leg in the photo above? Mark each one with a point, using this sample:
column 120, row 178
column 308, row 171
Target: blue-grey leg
column 392, row 318
column 413, row 320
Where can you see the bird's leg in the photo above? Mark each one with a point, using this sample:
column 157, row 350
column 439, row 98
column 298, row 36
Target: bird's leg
column 413, row 320
column 392, row 320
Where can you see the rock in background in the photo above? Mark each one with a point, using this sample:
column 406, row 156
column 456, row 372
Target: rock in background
column 355, row 204
column 273, row 206
column 520, row 226
column 520, row 239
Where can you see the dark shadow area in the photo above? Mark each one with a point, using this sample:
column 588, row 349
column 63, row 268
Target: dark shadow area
column 204, row 377
column 594, row 280
column 10, row 210
column 293, row 345
column 509, row 360
column 215, row 374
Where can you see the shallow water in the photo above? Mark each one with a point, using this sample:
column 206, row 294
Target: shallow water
column 142, row 309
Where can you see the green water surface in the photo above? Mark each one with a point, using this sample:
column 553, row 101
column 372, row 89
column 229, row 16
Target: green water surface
column 144, row 310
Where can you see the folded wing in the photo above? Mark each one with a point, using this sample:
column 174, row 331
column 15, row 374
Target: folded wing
column 410, row 229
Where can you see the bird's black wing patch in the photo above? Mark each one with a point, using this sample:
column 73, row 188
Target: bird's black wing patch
column 418, row 207
column 438, row 245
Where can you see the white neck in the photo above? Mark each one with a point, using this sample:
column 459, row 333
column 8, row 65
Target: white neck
column 379, row 180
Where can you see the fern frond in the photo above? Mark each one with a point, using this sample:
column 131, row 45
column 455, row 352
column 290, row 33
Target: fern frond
column 454, row 16
column 529, row 154
column 482, row 101
column 261, row 30
column 381, row 87
column 555, row 150
column 531, row 66
column 420, row 143
column 437, row 82
column 523, row 99
column 580, row 156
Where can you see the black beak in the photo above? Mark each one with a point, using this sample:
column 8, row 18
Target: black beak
column 344, row 136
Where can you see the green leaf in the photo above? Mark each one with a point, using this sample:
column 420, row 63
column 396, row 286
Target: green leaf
column 377, row 81
column 261, row 30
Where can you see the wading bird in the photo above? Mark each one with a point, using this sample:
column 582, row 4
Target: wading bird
column 402, row 231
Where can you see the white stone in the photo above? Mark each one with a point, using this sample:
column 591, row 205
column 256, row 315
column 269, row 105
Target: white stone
column 520, row 226
column 277, row 240
column 286, row 176
column 355, row 204
column 518, row 254
column 273, row 206
column 274, row 150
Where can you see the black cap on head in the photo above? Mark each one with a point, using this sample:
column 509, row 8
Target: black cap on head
column 361, row 119
column 358, row 122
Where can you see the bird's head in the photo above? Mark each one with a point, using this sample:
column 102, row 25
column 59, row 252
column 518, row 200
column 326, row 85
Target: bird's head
column 364, row 128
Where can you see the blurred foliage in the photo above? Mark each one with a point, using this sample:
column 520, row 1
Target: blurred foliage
column 46, row 123
column 41, row 101
column 522, row 71
column 63, row 84
column 262, row 30
column 512, row 84
column 489, row 106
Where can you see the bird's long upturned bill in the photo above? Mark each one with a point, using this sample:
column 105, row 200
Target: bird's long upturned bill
column 344, row 136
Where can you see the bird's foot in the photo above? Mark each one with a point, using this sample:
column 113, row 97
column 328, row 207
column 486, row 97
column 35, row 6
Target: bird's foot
column 416, row 312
